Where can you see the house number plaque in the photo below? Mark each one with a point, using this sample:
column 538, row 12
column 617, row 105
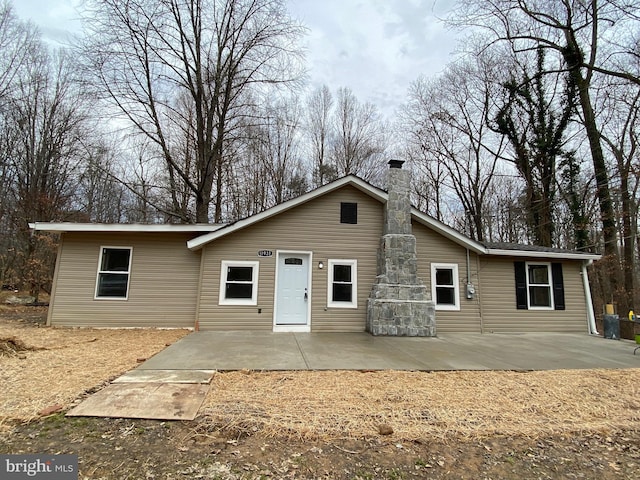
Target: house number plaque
column 265, row 253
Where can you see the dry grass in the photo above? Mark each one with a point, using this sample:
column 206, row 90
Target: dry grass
column 12, row 346
column 422, row 405
column 61, row 364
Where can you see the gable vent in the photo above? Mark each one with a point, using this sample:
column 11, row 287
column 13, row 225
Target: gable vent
column 349, row 213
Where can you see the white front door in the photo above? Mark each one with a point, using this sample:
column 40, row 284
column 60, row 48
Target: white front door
column 293, row 293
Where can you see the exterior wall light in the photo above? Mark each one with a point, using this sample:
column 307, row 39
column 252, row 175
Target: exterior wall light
column 320, row 264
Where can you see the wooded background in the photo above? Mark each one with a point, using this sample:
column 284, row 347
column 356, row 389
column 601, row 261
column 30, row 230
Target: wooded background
column 183, row 111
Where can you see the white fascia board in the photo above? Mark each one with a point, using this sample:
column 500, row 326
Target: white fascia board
column 533, row 254
column 198, row 242
column 63, row 227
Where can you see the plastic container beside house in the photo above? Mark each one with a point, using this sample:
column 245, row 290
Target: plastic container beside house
column 611, row 326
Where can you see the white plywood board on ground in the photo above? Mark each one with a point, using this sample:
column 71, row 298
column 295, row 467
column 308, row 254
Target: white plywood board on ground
column 166, row 376
column 158, row 401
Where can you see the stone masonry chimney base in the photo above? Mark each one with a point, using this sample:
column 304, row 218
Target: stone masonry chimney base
column 403, row 318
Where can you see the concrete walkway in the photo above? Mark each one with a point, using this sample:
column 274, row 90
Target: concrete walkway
column 361, row 351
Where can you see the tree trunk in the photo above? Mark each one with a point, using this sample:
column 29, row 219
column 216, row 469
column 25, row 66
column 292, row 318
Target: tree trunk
column 626, row 301
column 571, row 55
column 203, row 196
column 217, row 216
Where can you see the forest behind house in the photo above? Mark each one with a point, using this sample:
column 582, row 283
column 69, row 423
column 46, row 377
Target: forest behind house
column 195, row 111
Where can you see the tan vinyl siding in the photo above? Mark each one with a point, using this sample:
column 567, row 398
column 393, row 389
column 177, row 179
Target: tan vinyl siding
column 498, row 297
column 312, row 227
column 434, row 248
column 162, row 290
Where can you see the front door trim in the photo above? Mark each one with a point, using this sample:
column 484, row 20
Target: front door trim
column 292, row 328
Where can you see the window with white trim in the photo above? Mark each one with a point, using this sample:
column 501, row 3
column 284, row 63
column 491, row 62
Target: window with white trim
column 238, row 283
column 114, row 270
column 343, row 284
column 539, row 286
column 445, row 288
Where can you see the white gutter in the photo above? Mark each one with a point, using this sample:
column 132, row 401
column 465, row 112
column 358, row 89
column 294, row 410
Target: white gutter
column 591, row 317
column 542, row 254
column 63, row 227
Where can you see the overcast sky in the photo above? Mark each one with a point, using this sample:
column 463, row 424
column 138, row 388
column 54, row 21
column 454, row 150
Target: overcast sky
column 375, row 47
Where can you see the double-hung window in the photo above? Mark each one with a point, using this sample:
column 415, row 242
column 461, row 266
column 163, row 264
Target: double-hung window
column 539, row 286
column 114, row 269
column 445, row 289
column 343, row 284
column 239, row 283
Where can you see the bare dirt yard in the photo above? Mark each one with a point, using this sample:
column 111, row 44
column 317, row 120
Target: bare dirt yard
column 337, row 425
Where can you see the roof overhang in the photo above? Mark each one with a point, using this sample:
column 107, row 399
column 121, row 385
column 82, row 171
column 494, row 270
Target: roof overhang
column 64, row 227
column 542, row 254
column 380, row 195
column 211, row 232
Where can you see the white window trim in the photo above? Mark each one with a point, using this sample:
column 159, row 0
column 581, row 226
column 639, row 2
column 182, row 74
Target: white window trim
column 456, row 286
column 549, row 285
column 354, row 282
column 99, row 271
column 223, row 281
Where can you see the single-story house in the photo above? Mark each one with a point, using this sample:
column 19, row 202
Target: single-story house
column 326, row 261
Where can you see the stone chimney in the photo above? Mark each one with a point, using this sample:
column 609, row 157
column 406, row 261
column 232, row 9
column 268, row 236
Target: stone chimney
column 399, row 303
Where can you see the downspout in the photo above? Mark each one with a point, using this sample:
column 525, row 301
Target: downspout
column 591, row 318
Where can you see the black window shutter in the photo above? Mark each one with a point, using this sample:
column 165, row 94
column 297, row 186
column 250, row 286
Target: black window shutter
column 558, row 286
column 521, row 285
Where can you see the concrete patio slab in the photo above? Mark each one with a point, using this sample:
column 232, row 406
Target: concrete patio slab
column 230, row 351
column 173, row 383
column 361, row 351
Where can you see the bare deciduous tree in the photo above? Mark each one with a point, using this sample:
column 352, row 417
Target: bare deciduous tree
column 358, row 143
column 146, row 55
column 446, row 122
column 45, row 119
column 277, row 149
column 593, row 37
column 18, row 41
column 319, row 107
column 620, row 119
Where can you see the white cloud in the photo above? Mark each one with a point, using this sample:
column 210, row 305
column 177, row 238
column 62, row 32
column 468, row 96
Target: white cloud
column 56, row 19
column 375, row 47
